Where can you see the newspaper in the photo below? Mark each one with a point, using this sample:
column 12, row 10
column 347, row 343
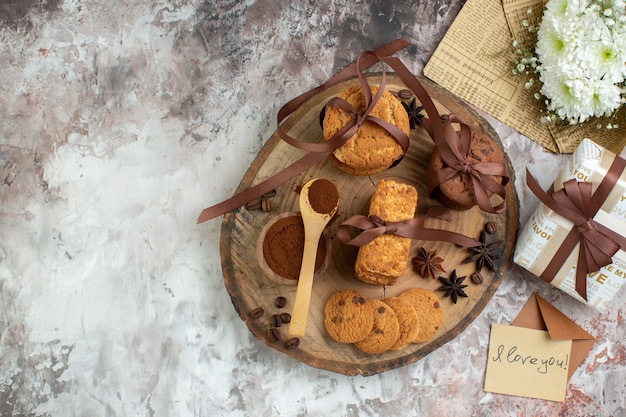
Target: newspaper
column 474, row 61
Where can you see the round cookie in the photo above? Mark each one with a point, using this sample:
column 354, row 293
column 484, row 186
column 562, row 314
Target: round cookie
column 458, row 192
column 429, row 310
column 348, row 316
column 407, row 319
column 384, row 333
column 371, row 149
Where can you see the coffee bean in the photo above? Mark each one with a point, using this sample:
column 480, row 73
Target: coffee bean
column 491, row 227
column 405, row 94
column 280, row 302
column 254, row 205
column 476, row 278
column 273, row 335
column 285, row 318
column 269, row 194
column 276, row 321
column 256, row 313
column 266, row 206
column 292, row 343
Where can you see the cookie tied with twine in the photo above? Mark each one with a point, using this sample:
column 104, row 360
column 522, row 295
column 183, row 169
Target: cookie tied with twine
column 470, row 175
column 370, row 227
column 374, row 147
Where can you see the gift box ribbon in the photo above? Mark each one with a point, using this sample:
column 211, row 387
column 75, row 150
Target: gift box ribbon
column 454, row 146
column 373, row 226
column 577, row 203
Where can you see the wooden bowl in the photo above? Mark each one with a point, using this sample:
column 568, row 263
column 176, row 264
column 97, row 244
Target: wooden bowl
column 269, row 272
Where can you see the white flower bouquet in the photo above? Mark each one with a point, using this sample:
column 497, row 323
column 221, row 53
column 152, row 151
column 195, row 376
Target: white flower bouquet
column 575, row 60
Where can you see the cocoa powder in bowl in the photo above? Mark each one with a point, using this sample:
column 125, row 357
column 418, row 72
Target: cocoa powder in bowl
column 323, row 196
column 283, row 245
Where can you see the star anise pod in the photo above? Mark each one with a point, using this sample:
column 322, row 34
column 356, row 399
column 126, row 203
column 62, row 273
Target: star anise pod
column 453, row 286
column 427, row 263
column 413, row 110
column 483, row 254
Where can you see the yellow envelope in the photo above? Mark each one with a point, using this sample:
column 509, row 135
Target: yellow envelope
column 538, row 314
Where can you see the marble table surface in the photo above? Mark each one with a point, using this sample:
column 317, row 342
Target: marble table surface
column 119, row 122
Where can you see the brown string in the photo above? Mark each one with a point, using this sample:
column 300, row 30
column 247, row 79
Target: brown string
column 371, row 227
column 576, row 203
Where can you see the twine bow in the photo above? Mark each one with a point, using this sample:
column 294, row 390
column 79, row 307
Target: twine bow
column 577, row 203
column 371, row 227
column 364, row 60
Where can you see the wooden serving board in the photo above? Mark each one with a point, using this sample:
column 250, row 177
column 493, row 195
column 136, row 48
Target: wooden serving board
column 249, row 288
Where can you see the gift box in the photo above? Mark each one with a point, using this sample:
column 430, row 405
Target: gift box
column 575, row 239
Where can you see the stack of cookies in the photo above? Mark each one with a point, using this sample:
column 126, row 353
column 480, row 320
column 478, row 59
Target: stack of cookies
column 458, row 192
column 376, row 326
column 383, row 260
column 371, row 149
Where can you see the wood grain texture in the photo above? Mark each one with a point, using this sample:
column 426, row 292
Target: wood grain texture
column 250, row 288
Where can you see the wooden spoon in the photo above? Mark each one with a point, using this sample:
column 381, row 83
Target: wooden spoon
column 314, row 223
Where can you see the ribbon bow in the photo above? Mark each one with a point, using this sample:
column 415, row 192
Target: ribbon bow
column 577, row 203
column 357, row 119
column 373, row 226
column 454, row 148
column 364, row 60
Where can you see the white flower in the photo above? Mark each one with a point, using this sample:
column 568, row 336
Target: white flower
column 603, row 55
column 576, row 97
column 563, row 8
column 606, row 99
column 554, row 44
column 566, row 90
column 581, row 51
